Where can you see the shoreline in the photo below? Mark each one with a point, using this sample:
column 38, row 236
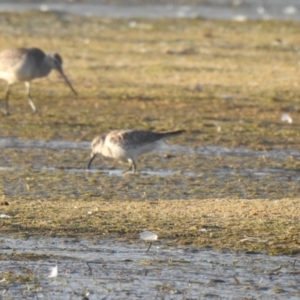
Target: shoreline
column 239, row 12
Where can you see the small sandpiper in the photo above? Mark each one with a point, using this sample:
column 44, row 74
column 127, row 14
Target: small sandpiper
column 128, row 144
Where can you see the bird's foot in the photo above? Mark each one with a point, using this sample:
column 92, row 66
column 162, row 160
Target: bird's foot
column 34, row 111
column 126, row 171
column 129, row 170
column 5, row 112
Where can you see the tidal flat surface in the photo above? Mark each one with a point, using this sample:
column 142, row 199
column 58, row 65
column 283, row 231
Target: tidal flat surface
column 179, row 172
column 189, row 195
column 230, row 183
column 216, row 9
column 111, row 269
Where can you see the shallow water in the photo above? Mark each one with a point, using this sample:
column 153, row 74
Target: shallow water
column 216, row 9
column 119, row 269
column 107, row 269
column 38, row 168
column 6, row 143
column 18, row 143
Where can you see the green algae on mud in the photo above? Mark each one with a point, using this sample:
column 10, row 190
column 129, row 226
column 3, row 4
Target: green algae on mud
column 256, row 225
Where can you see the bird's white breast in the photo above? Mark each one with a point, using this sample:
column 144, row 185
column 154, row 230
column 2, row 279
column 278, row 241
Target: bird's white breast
column 121, row 151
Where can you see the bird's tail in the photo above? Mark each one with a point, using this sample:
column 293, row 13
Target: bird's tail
column 173, row 133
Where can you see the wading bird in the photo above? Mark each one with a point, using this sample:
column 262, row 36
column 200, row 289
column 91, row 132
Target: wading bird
column 26, row 64
column 128, row 144
column 148, row 236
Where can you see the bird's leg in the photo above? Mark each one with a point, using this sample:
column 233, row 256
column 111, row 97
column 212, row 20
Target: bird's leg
column 149, row 247
column 5, row 110
column 132, row 166
column 27, row 85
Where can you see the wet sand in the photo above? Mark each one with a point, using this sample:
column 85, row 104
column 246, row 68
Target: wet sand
column 222, row 10
column 230, row 183
column 109, row 269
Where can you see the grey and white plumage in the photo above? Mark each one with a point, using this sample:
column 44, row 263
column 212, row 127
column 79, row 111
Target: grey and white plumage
column 128, row 144
column 26, row 64
column 148, row 236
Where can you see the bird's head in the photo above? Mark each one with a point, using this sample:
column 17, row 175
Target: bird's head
column 97, row 145
column 55, row 61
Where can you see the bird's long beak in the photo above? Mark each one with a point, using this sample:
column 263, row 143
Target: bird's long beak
column 91, row 160
column 67, row 81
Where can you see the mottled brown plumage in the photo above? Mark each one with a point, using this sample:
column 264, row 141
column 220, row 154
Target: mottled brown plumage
column 128, row 144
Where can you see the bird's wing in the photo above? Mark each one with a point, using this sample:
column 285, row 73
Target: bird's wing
column 37, row 54
column 133, row 137
column 11, row 57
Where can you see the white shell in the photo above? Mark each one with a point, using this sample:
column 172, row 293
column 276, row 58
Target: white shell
column 53, row 272
column 4, row 216
column 148, row 236
column 286, row 118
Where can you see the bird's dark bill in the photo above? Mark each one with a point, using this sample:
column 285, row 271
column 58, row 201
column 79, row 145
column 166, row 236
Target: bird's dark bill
column 67, row 82
column 91, row 160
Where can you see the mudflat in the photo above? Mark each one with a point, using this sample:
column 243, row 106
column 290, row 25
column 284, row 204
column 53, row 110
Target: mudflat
column 226, row 83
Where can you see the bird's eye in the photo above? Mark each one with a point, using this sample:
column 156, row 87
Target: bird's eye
column 58, row 59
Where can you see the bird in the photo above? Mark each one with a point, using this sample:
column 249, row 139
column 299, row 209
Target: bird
column 128, row 144
column 25, row 65
column 148, row 236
